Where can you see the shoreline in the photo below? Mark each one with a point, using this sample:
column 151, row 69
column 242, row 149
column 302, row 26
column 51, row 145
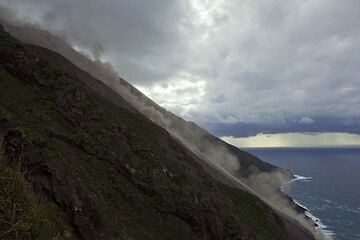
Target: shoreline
column 329, row 234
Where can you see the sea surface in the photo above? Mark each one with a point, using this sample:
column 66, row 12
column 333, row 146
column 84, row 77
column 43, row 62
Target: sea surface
column 327, row 184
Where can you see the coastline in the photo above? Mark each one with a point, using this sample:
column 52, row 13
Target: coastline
column 329, row 234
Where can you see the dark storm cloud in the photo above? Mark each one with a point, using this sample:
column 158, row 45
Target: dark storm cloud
column 249, row 129
column 241, row 66
column 141, row 39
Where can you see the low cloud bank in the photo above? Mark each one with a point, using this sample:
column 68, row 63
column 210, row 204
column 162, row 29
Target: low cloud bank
column 296, row 140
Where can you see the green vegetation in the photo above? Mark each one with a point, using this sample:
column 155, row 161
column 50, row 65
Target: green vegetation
column 22, row 215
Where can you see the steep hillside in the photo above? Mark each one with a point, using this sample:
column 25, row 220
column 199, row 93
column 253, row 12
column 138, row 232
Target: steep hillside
column 188, row 133
column 112, row 172
column 224, row 162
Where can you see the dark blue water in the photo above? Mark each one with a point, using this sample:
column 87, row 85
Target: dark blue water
column 332, row 190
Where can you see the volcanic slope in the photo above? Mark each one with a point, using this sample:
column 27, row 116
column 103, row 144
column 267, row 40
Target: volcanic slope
column 108, row 169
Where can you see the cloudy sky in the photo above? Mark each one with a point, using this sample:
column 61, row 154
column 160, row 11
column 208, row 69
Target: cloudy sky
column 237, row 67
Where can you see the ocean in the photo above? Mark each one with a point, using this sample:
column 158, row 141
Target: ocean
column 327, row 184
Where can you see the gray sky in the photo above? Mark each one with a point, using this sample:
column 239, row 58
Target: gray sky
column 236, row 67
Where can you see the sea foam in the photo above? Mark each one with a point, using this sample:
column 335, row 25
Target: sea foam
column 329, row 235
column 301, row 178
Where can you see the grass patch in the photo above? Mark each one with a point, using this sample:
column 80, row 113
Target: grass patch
column 22, row 215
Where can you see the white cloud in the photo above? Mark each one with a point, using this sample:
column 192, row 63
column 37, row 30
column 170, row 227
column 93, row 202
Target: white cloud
column 180, row 93
column 306, row 120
